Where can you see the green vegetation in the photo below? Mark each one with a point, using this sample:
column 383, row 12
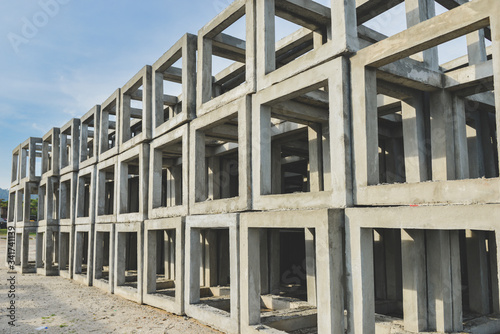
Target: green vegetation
column 3, row 231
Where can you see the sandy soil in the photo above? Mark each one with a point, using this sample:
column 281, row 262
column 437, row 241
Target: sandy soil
column 64, row 306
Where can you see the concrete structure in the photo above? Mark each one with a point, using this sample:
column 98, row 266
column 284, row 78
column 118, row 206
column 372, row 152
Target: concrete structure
column 336, row 180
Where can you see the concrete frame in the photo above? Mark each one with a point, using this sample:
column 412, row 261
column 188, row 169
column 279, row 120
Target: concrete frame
column 93, row 116
column 50, row 153
column 443, row 189
column 46, row 250
column 69, row 159
column 359, row 242
column 97, row 280
column 211, row 41
column 337, row 189
column 241, row 109
column 31, row 149
column 331, row 31
column 100, row 216
column 155, row 174
column 140, row 152
column 66, row 232
column 129, row 293
column 109, row 107
column 169, row 304
column 81, row 218
column 328, row 256
column 67, row 218
column 16, row 166
column 227, row 322
column 163, row 69
column 85, row 279
column 48, row 223
column 131, row 92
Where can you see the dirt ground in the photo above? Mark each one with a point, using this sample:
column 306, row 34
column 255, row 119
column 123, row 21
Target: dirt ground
column 64, row 306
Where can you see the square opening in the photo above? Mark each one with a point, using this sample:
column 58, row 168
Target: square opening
column 287, row 279
column 109, row 126
column 42, row 202
column 82, row 253
column 133, row 103
column 127, row 273
column 215, row 269
column 66, row 200
column 163, row 260
column 171, row 86
column 220, row 155
column 15, row 166
column 88, row 138
column 171, row 175
column 33, row 207
column 47, row 155
column 64, row 253
column 418, row 123
column 457, row 267
column 103, row 256
column 107, row 194
column 133, row 184
column 40, row 250
column 67, row 147
column 84, row 199
column 299, row 146
column 12, row 207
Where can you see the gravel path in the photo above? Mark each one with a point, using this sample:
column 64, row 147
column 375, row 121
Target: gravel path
column 64, row 306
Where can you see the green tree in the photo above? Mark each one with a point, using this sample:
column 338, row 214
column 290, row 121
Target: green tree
column 34, row 208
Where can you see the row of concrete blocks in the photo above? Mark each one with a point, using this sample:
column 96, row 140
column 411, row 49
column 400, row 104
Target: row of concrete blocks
column 230, row 291
column 348, row 123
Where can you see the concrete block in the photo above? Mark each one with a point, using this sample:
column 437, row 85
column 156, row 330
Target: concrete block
column 103, row 261
column 70, row 147
column 136, row 123
column 50, row 153
column 107, row 187
column 83, row 254
column 109, row 126
column 226, row 318
column 164, row 240
column 89, row 137
column 170, row 111
column 86, row 196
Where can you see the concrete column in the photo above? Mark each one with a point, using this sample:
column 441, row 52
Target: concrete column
column 150, row 261
column 200, row 184
column 250, row 265
column 63, row 251
column 315, row 158
column 495, row 34
column 392, row 243
column 414, row 280
column 484, row 136
column 125, row 118
column 274, row 261
column 39, row 250
column 379, row 264
column 442, row 136
column 19, row 243
column 211, row 258
column 204, row 70
column 266, row 52
column 443, row 281
column 177, row 190
column 310, row 240
column 213, row 178
column 25, row 250
column 475, row 150
column 172, row 243
column 166, row 254
column 359, row 261
column 193, row 250
column 225, row 184
column 344, row 26
column 493, row 252
column 477, row 271
column 78, row 253
column 156, row 176
column 460, row 132
column 330, row 275
column 123, row 188
column 327, row 165
column 418, row 11
column 99, row 255
column 45, row 157
column 264, row 262
column 414, row 140
column 49, row 250
column 120, row 257
column 224, row 261
column 276, row 177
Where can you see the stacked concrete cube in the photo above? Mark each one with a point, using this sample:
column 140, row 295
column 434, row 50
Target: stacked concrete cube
column 337, row 180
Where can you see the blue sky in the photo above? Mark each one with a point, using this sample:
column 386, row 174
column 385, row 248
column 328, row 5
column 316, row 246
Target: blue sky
column 59, row 58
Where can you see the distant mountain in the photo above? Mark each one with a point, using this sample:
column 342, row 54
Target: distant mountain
column 4, row 194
